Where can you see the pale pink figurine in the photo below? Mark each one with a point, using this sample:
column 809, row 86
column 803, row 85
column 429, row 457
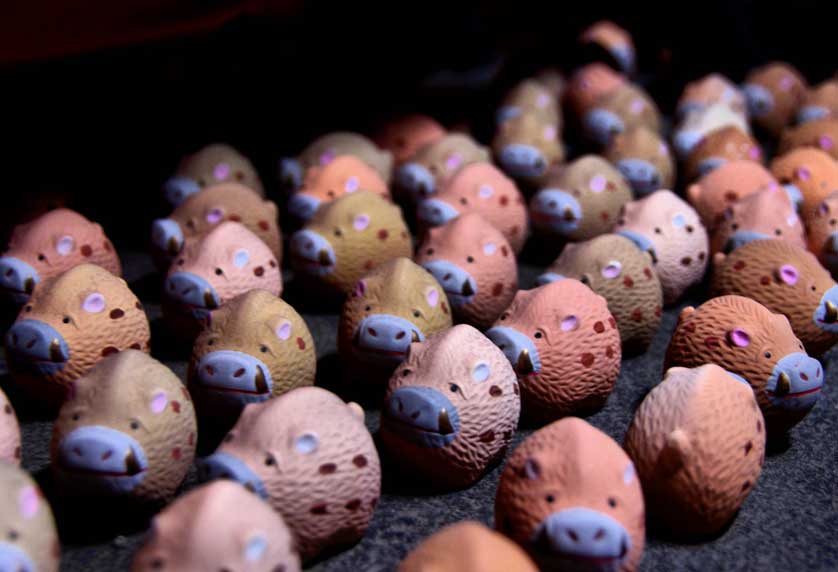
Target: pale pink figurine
column 565, row 348
column 708, row 90
column 451, row 407
column 484, row 189
column 768, row 213
column 725, row 185
column 9, row 432
column 227, row 261
column 49, row 245
column 589, row 83
column 613, row 39
column 669, row 229
column 474, row 264
column 310, row 456
column 570, row 496
column 218, row 526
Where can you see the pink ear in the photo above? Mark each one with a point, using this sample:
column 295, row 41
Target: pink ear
column 637, row 106
column 360, row 288
column 663, row 149
column 432, row 297
column 159, row 401
column 823, row 209
column 739, row 337
column 612, row 269
column 802, row 173
column 327, row 156
column 598, row 183
column 754, row 153
column 361, row 222
column 789, row 274
column 550, row 133
column 454, row 160
column 351, row 184
column 628, row 473
column 490, row 248
column 28, row 502
column 786, row 83
column 542, row 101
column 570, row 323
column 825, row 142
column 532, row 470
column 94, row 303
column 221, row 171
column 283, row 332
column 214, row 216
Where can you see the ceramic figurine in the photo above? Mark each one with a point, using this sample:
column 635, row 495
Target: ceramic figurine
column 614, row 40
column 709, row 90
column 218, row 526
column 451, row 408
column 529, row 97
column 467, row 546
column 588, row 84
column 256, row 347
column 9, row 432
column 643, row 157
column 527, row 146
column 126, row 429
column 612, row 266
column 30, row 541
column 434, row 163
column 774, row 92
column 484, row 189
column 396, row 304
column 343, row 175
column 820, row 102
column 310, row 456
column 564, row 345
column 787, row 279
column 347, row 238
column 807, row 174
column 405, row 135
column 713, row 193
column 822, row 227
column 581, row 201
column 698, row 124
column 554, row 80
column 49, row 245
column 698, row 443
column 72, row 322
column 746, row 338
column 821, row 134
column 768, row 213
column 718, row 147
column 619, row 110
column 474, row 264
column 210, row 165
column 570, row 496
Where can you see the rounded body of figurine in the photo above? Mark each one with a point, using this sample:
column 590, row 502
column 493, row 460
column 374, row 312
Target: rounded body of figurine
column 9, row 432
column 723, row 186
column 700, row 123
column 808, row 175
column 718, row 147
column 644, row 159
column 708, row 90
column 820, row 134
column 213, row 164
column 821, row 102
column 405, row 135
column 774, row 93
column 618, row 111
column 435, row 162
column 588, row 84
column 528, row 145
column 822, row 229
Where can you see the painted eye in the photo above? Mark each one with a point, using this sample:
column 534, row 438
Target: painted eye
column 429, row 251
column 470, row 259
column 778, row 232
column 538, row 335
column 41, row 257
column 13, row 535
column 767, row 355
column 269, row 460
column 612, row 502
column 734, row 226
column 368, row 308
column 657, row 230
column 218, row 272
column 504, row 316
column 406, row 372
column 454, row 387
column 550, row 499
column 135, row 425
column 211, row 342
column 65, row 320
column 76, row 417
column 417, row 314
column 338, row 232
column 463, row 201
column 263, row 349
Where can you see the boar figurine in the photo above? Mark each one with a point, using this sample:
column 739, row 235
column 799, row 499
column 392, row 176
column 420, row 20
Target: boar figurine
column 570, row 496
column 774, row 93
column 713, row 193
column 72, row 322
column 30, row 540
column 564, row 346
column 669, row 229
column 821, row 134
column 9, row 432
column 700, row 123
column 787, row 279
column 581, row 201
column 746, row 338
column 467, row 546
column 405, row 135
column 618, row 111
column 484, row 189
column 809, row 175
column 127, row 429
column 822, row 227
column 256, row 347
column 396, row 304
column 643, row 157
column 310, row 456
column 718, row 147
column 347, row 238
column 821, row 102
column 527, row 146
column 49, row 245
column 345, row 174
column 698, row 444
column 218, row 526
column 709, row 90
column 614, row 40
column 210, row 165
column 529, row 97
column 553, row 80
column 612, row 266
column 588, row 84
column 474, row 264
column 435, row 162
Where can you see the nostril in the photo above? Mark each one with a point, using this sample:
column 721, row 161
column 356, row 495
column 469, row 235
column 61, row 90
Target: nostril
column 600, row 534
column 401, row 406
column 447, row 277
column 9, row 272
column 553, row 204
column 415, row 415
column 400, row 335
column 372, row 332
column 239, row 372
column 804, row 377
column 14, row 339
column 210, row 370
column 107, row 455
column 185, row 292
column 78, row 451
column 623, row 549
column 30, row 344
column 572, row 534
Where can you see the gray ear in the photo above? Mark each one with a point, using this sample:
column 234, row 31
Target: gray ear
column 532, row 470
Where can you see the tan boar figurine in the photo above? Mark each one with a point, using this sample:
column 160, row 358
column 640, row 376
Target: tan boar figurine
column 467, row 546
column 527, row 146
column 644, row 159
column 9, row 432
column 530, row 96
column 718, row 147
column 746, row 338
column 451, row 408
column 787, row 279
column 612, row 266
column 396, row 304
column 347, row 238
column 310, row 456
column 618, row 111
column 570, row 496
column 435, row 162
column 821, row 102
column 72, row 322
column 127, row 429
column 30, row 540
column 49, row 245
column 819, row 134
column 774, row 93
column 564, row 346
column 711, row 89
column 218, row 526
column 698, row 443
column 723, row 186
column 808, row 175
column 403, row 136
column 256, row 347
column 822, row 227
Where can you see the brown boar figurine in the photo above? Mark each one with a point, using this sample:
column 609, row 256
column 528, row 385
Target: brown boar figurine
column 403, row 136
column 718, row 147
column 588, row 84
column 210, row 165
column 527, row 146
column 435, row 162
column 723, row 186
column 310, row 456
column 127, row 429
column 644, row 158
column 698, row 444
column 570, row 496
column 774, row 93
column 49, row 245
column 819, row 134
column 822, row 227
column 821, row 102
column 808, row 175
column 747, row 339
column 618, row 111
column 9, row 432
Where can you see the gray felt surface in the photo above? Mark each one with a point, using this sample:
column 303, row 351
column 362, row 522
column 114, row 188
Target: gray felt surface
column 789, row 522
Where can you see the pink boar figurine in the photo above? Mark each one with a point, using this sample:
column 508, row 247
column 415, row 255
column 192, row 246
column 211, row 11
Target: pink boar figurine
column 227, row 261
column 570, row 496
column 723, row 186
column 698, row 444
column 588, row 84
column 670, row 230
column 820, row 102
column 127, row 429
column 619, row 110
column 711, row 89
column 474, row 264
column 71, row 323
column 644, row 158
column 49, row 245
column 310, row 456
column 484, row 189
column 451, row 408
column 405, row 135
column 614, row 40
column 218, row 526
column 808, row 175
column 210, row 165
column 30, row 541
column 822, row 227
column 774, row 93
column 435, row 162
column 565, row 348
column 747, row 339
column 9, row 432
